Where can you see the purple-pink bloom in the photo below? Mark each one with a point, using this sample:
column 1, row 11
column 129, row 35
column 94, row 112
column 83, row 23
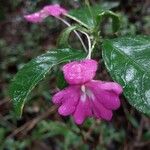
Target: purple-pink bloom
column 54, row 10
column 36, row 17
column 50, row 10
column 85, row 97
column 79, row 72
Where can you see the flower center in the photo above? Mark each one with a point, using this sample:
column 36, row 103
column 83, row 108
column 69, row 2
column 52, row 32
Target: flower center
column 86, row 93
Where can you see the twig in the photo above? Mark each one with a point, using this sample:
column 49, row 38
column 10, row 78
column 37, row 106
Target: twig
column 140, row 130
column 141, row 144
column 31, row 124
column 2, row 102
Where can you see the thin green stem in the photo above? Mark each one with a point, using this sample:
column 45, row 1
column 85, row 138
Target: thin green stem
column 77, row 34
column 91, row 50
column 89, row 44
column 89, row 7
column 77, row 20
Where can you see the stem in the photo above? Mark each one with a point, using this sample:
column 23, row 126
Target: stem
column 89, row 7
column 90, row 51
column 89, row 44
column 77, row 20
column 77, row 34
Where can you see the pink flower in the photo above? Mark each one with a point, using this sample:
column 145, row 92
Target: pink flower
column 54, row 10
column 85, row 97
column 36, row 17
column 49, row 10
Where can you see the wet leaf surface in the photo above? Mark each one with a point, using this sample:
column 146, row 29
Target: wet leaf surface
column 128, row 61
column 34, row 71
column 88, row 17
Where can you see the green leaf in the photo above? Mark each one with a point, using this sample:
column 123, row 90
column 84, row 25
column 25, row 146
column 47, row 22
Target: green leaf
column 128, row 61
column 63, row 40
column 60, row 80
column 115, row 19
column 64, row 36
column 87, row 17
column 34, row 71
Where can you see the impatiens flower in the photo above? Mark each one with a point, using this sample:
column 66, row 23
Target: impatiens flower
column 36, row 17
column 54, row 10
column 49, row 10
column 85, row 97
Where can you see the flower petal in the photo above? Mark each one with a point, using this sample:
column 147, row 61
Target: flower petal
column 57, row 98
column 112, row 86
column 79, row 114
column 49, row 10
column 66, row 109
column 79, row 72
column 36, row 17
column 68, row 99
column 54, row 10
column 83, row 110
column 87, row 108
column 101, row 112
column 70, row 93
column 109, row 98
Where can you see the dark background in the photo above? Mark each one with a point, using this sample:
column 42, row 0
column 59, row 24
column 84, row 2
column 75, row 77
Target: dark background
column 41, row 128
